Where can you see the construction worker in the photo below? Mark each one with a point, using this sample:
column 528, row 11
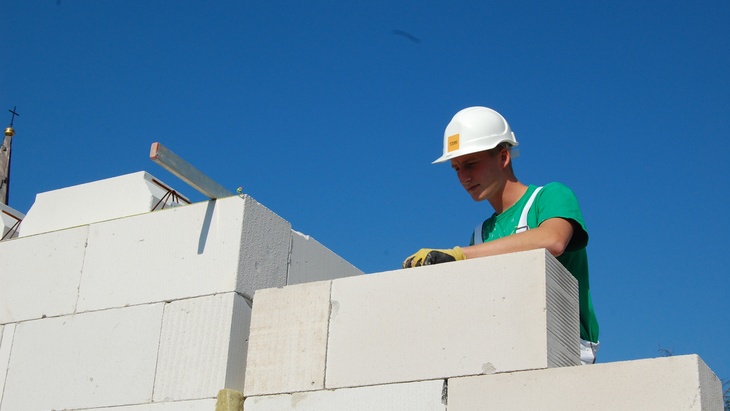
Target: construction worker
column 478, row 142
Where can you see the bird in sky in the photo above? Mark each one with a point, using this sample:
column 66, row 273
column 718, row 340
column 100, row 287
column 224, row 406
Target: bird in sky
column 407, row 35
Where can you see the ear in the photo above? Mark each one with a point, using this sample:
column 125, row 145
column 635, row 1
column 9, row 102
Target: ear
column 505, row 157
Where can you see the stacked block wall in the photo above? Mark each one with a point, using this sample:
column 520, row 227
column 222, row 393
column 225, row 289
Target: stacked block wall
column 660, row 384
column 145, row 310
column 494, row 333
column 473, row 317
column 153, row 312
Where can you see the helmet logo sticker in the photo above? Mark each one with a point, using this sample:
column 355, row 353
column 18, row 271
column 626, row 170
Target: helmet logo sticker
column 453, row 143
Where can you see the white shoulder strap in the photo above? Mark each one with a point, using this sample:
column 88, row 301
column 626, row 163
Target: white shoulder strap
column 522, row 225
column 477, row 236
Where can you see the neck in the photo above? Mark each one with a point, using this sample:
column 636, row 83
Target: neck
column 510, row 194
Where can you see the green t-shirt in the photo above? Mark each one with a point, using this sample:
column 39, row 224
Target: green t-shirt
column 554, row 201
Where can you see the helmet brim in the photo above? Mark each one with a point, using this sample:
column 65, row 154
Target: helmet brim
column 458, row 153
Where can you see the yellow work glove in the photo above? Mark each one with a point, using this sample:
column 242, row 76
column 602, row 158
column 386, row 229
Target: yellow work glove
column 428, row 256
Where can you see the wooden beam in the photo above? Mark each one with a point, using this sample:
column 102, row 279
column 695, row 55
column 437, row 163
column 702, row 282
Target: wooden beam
column 186, row 172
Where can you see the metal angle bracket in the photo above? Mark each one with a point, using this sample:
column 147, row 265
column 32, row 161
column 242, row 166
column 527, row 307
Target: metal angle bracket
column 12, row 230
column 186, row 172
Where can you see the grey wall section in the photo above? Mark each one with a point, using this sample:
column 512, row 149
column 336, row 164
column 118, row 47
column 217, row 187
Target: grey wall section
column 561, row 297
column 311, row 261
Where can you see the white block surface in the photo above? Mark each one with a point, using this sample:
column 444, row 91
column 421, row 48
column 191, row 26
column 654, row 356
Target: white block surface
column 195, row 405
column 480, row 316
column 9, row 220
column 311, row 261
column 231, row 244
column 202, row 347
column 661, row 384
column 288, row 340
column 40, row 275
column 88, row 360
column 6, row 343
column 417, row 396
column 101, row 200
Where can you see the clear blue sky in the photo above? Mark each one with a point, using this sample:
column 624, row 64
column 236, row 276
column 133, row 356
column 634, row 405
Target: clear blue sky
column 322, row 113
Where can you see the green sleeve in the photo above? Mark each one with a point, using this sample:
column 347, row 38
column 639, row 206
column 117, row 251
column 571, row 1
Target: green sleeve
column 558, row 201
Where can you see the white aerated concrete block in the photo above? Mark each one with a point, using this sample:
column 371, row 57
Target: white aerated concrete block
column 288, row 339
column 484, row 316
column 203, row 347
column 416, row 396
column 9, row 220
column 194, row 405
column 311, row 261
column 39, row 275
column 101, row 200
column 661, row 384
column 95, row 359
column 230, row 244
column 490, row 315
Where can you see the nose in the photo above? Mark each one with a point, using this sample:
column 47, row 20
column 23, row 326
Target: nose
column 464, row 176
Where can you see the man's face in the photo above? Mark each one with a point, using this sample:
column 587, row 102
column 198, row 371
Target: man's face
column 481, row 174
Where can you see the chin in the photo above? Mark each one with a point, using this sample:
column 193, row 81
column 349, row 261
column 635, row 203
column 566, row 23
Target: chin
column 477, row 197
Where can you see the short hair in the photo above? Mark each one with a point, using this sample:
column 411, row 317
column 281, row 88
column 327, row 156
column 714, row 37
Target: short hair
column 496, row 150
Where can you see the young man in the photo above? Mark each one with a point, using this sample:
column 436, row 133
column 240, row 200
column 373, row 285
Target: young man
column 478, row 142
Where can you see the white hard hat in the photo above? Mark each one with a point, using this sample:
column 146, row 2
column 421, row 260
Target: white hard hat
column 475, row 129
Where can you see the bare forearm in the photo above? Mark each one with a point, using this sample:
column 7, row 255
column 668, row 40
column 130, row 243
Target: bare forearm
column 553, row 235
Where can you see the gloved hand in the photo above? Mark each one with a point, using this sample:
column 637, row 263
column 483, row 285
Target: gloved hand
column 428, row 256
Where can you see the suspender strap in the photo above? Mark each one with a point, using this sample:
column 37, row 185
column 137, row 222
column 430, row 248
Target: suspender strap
column 521, row 226
column 476, row 238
